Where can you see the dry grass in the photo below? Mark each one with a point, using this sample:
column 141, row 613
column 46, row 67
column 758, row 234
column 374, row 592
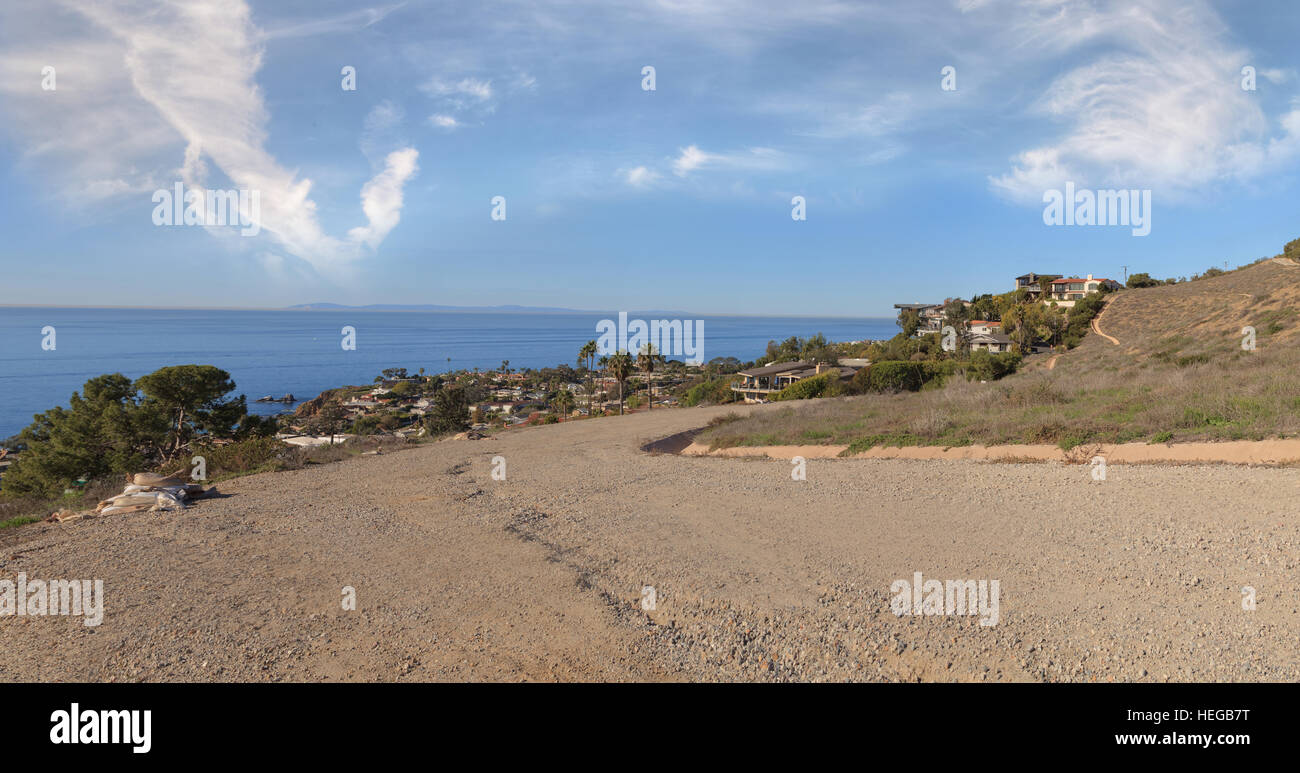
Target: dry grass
column 1179, row 374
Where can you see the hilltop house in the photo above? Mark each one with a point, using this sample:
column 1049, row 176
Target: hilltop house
column 1032, row 283
column 994, row 343
column 985, row 326
column 931, row 315
column 1066, row 291
column 758, row 384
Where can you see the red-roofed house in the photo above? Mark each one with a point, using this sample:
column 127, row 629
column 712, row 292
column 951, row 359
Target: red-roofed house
column 1066, row 291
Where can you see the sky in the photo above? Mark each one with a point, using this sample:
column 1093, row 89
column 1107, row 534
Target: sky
column 918, row 182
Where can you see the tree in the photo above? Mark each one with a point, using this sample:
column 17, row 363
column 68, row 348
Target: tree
column 910, row 321
column 450, row 411
column 1013, row 325
column 109, row 428
column 103, row 430
column 585, row 356
column 563, row 402
column 647, row 359
column 331, row 420
column 818, row 349
column 1142, row 280
column 393, row 374
column 1292, row 249
column 620, row 367
column 403, row 389
column 193, row 398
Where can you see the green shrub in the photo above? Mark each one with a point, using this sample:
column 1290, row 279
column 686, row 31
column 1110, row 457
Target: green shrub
column 823, row 385
column 893, row 376
column 986, row 366
column 710, row 392
column 242, row 457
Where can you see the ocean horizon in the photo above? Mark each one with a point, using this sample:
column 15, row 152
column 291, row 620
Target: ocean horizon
column 299, row 352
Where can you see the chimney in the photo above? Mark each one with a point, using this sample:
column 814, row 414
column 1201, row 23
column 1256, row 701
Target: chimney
column 1090, row 277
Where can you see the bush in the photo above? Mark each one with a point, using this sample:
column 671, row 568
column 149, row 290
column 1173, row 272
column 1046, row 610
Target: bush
column 450, row 412
column 824, row 385
column 711, row 392
column 985, row 366
column 892, row 376
column 1079, row 318
column 242, row 457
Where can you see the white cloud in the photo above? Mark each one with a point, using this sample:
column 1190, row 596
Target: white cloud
column 147, row 93
column 692, row 158
column 1155, row 103
column 347, row 22
column 641, row 177
column 444, row 121
column 472, row 88
column 381, row 198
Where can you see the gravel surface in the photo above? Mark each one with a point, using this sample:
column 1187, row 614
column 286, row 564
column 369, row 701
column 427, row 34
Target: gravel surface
column 757, row 577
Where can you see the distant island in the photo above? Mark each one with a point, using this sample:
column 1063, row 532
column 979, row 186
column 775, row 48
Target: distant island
column 431, row 307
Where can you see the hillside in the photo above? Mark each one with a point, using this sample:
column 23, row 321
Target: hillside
column 1177, row 373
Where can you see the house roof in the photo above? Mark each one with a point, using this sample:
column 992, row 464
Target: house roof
column 1081, row 279
column 780, row 367
column 990, row 338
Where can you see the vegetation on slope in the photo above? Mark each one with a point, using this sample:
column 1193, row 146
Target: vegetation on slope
column 1180, row 373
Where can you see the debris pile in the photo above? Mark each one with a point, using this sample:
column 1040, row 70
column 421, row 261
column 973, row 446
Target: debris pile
column 144, row 492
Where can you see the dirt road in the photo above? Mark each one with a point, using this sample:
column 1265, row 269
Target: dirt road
column 757, row 576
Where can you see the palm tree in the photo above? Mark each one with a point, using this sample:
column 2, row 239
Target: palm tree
column 603, row 362
column 585, row 354
column 620, row 367
column 646, row 360
column 563, row 402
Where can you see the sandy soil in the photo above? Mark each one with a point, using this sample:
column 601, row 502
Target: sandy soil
column 757, row 576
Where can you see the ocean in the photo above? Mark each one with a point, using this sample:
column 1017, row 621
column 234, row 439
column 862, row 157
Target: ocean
column 300, row 352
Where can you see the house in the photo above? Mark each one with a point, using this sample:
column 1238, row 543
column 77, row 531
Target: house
column 1066, row 291
column 506, row 407
column 757, row 384
column 931, row 315
column 994, row 343
column 1032, row 283
column 984, row 326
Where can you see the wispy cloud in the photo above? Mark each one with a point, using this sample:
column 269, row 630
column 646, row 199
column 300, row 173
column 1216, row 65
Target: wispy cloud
column 347, row 22
column 172, row 92
column 641, row 177
column 1152, row 100
column 692, row 158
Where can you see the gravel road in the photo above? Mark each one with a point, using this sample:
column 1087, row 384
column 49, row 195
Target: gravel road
column 757, row 576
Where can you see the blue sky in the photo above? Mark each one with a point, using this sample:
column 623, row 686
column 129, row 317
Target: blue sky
column 622, row 198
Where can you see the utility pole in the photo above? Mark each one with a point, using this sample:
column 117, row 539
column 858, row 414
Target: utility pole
column 1126, row 274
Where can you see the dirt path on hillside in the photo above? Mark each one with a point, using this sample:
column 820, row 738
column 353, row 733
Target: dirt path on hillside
column 757, row 576
column 1051, row 363
column 1096, row 326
